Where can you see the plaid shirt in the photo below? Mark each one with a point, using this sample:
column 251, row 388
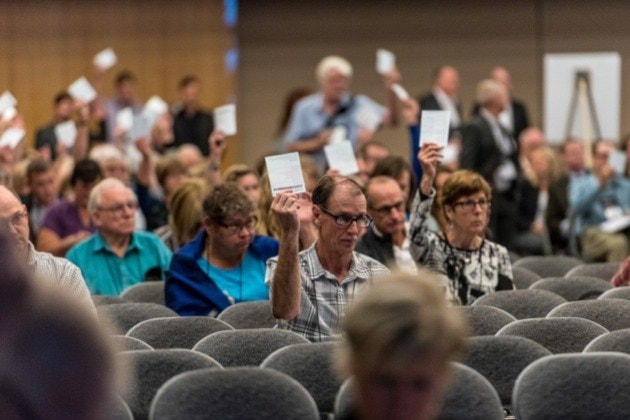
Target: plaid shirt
column 324, row 299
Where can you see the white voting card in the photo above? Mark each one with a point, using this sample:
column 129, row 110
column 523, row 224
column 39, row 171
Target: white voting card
column 385, row 61
column 9, row 114
column 139, row 128
column 12, row 137
column 105, row 59
column 369, row 118
column 285, row 173
column 617, row 160
column 615, row 225
column 66, row 133
column 434, row 127
column 341, row 157
column 154, row 107
column 82, row 90
column 7, row 100
column 225, row 119
column 338, row 134
column 400, row 92
column 124, row 119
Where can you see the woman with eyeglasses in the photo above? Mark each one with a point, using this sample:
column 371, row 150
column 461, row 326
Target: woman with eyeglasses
column 471, row 264
column 225, row 263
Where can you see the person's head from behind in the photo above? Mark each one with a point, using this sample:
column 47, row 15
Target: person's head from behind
column 85, row 175
column 447, row 79
column 126, row 86
column 14, row 220
column 246, row 178
column 400, row 337
column 40, row 176
column 189, row 155
column 465, row 201
column 334, row 74
column 386, row 205
column 492, row 96
column 189, row 91
column 113, row 162
column 186, row 209
column 112, row 207
column 64, row 105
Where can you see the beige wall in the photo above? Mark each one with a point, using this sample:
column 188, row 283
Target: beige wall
column 282, row 41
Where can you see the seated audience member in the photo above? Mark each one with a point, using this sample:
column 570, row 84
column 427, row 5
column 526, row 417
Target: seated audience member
column 368, row 155
column 186, row 214
column 314, row 117
column 437, row 222
column 533, row 238
column 530, row 139
column 42, row 266
column 398, row 168
column 387, row 239
column 192, row 125
column 225, row 263
column 246, row 178
column 557, row 214
column 400, row 338
column 312, row 289
column 68, row 222
column 622, row 277
column 596, row 198
column 117, row 256
column 42, row 185
column 470, row 264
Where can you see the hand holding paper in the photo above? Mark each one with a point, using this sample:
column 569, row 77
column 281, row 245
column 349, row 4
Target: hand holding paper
column 225, row 119
column 385, row 61
column 434, row 127
column 66, row 133
column 285, row 173
column 82, row 90
column 105, row 59
column 7, row 100
column 12, row 137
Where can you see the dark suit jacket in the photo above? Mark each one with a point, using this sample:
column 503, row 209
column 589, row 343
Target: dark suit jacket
column 520, row 118
column 527, row 205
column 557, row 211
column 428, row 102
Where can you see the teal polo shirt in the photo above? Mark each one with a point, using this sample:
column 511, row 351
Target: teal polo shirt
column 106, row 273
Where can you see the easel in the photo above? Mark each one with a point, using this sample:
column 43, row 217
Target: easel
column 583, row 97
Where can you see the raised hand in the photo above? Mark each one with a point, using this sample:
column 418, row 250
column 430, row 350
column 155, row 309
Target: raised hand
column 429, row 157
column 285, row 207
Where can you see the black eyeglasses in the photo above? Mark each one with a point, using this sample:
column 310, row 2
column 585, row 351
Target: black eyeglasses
column 385, row 210
column 469, row 205
column 235, row 228
column 344, row 220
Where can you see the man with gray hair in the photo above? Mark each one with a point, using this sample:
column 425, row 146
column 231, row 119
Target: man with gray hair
column 315, row 116
column 489, row 149
column 117, row 256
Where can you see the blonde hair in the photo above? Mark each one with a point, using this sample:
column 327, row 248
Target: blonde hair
column 487, row 90
column 186, row 209
column 267, row 224
column 333, row 62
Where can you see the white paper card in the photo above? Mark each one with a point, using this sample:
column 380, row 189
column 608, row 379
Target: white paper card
column 225, row 119
column 385, row 61
column 12, row 137
column 7, row 100
column 140, row 128
column 285, row 173
column 615, row 225
column 338, row 134
column 450, row 154
column 400, row 92
column 434, row 127
column 66, row 133
column 9, row 114
column 341, row 158
column 124, row 119
column 617, row 160
column 105, row 59
column 153, row 109
column 82, row 90
column 368, row 117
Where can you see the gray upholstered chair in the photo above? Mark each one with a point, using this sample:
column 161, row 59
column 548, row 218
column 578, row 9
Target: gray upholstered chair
column 148, row 291
column 612, row 341
column 123, row 316
column 523, row 277
column 485, row 320
column 233, row 394
column 573, row 288
column 558, row 335
column 522, row 304
column 152, row 368
column 100, row 300
column 245, row 315
column 616, row 293
column 176, row 332
column 604, row 271
column 574, row 386
column 549, row 265
column 246, row 347
column 119, row 410
column 611, row 314
column 124, row 343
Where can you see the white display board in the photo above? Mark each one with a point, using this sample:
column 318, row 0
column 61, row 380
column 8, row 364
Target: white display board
column 604, row 71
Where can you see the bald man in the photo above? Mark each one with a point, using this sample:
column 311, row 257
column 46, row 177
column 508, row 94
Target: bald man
column 445, row 96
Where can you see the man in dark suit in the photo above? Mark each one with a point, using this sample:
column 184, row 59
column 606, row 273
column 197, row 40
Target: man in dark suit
column 444, row 96
column 489, row 149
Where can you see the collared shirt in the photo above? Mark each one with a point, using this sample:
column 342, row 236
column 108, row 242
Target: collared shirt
column 402, row 255
column 323, row 299
column 448, row 104
column 59, row 272
column 108, row 274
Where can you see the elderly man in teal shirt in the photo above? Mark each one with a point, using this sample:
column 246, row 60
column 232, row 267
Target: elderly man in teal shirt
column 117, row 256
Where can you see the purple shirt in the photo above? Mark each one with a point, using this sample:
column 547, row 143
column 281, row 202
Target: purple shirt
column 63, row 219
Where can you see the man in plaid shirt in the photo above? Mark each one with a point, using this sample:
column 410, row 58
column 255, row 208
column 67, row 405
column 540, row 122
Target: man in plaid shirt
column 310, row 290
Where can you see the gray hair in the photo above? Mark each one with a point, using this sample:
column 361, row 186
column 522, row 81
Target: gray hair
column 95, row 199
column 487, row 90
column 333, row 62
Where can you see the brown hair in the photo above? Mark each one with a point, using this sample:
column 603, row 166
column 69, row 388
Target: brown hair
column 225, row 200
column 328, row 184
column 463, row 183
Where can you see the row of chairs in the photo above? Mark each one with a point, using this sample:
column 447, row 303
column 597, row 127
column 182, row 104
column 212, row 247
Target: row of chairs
column 563, row 266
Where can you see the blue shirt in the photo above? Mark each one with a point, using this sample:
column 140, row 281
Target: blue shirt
column 308, row 118
column 106, row 273
column 242, row 283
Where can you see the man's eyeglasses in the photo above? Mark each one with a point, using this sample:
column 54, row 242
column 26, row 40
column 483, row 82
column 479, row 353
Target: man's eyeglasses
column 469, row 205
column 16, row 220
column 345, row 220
column 235, row 228
column 385, row 210
column 120, row 208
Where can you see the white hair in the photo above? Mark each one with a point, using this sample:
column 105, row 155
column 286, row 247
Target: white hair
column 333, row 62
column 487, row 90
column 94, row 201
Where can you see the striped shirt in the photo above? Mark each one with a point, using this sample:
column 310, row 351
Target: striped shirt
column 324, row 299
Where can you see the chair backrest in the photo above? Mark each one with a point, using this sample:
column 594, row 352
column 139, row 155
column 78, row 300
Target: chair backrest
column 344, row 401
column 548, row 265
column 100, row 300
column 151, row 369
column 558, row 335
column 612, row 341
column 176, row 332
column 123, row 316
column 616, row 293
column 611, row 314
column 573, row 288
column 523, row 277
column 148, row 291
column 485, row 320
column 604, row 271
column 572, row 386
column 246, row 347
column 522, row 304
column 124, row 343
column 502, row 359
column 119, row 410
column 245, row 315
column 234, row 393
column 312, row 365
